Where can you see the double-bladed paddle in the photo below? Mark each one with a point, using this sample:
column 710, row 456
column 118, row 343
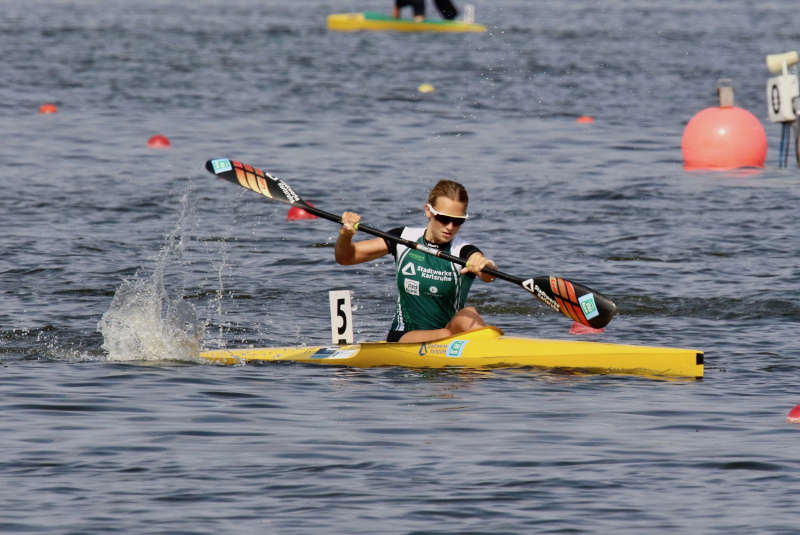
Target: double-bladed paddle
column 574, row 300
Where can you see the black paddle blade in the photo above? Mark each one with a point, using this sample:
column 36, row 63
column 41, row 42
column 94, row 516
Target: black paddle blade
column 254, row 179
column 574, row 300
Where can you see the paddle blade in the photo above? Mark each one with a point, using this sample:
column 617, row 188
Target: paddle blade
column 254, row 179
column 574, row 300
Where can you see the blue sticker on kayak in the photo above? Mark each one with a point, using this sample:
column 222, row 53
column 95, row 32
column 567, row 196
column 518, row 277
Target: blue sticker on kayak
column 455, row 348
column 221, row 165
column 323, row 353
column 338, row 352
column 588, row 306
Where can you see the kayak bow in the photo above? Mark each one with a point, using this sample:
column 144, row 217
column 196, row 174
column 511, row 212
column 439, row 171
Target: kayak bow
column 486, row 347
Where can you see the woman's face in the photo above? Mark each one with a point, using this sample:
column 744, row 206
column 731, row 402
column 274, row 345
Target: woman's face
column 439, row 232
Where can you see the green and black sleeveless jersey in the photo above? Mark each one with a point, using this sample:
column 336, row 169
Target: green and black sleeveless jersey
column 430, row 289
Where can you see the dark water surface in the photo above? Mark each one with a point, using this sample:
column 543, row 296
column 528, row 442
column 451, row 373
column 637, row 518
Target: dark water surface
column 120, row 261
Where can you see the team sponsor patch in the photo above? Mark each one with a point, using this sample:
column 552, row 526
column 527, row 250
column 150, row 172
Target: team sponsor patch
column 435, row 274
column 411, row 286
column 221, row 165
column 434, row 349
column 455, row 348
column 409, row 270
column 588, row 306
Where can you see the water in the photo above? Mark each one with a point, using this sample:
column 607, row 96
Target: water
column 120, row 261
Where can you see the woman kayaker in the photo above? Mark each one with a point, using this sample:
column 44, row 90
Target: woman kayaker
column 445, row 7
column 431, row 290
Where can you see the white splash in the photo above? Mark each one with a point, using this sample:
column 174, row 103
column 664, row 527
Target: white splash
column 144, row 323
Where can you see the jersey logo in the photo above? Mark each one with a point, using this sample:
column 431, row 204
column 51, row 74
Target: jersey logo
column 408, row 270
column 411, row 286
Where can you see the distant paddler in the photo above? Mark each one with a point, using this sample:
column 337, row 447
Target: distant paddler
column 445, row 7
column 417, row 6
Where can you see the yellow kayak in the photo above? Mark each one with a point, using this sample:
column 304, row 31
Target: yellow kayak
column 353, row 22
column 481, row 348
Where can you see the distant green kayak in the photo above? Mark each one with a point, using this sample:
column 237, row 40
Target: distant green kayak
column 371, row 21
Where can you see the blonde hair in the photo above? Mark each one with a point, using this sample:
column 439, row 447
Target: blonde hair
column 451, row 190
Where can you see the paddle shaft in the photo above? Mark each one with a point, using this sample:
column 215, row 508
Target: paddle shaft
column 407, row 243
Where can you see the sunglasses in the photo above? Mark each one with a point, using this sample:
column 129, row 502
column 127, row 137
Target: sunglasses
column 445, row 219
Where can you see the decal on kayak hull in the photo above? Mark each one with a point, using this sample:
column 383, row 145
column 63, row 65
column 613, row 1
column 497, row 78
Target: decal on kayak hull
column 453, row 349
column 330, row 353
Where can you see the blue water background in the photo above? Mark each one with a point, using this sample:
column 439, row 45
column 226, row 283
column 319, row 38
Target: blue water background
column 99, row 227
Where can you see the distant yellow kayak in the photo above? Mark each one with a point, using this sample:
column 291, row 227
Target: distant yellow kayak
column 482, row 348
column 370, row 21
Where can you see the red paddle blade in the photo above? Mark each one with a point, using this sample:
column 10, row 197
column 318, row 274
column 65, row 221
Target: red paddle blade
column 253, row 179
column 574, row 300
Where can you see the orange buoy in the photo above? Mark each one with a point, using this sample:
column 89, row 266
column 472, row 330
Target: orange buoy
column 48, row 108
column 723, row 138
column 158, row 142
column 584, row 119
column 794, row 415
column 296, row 213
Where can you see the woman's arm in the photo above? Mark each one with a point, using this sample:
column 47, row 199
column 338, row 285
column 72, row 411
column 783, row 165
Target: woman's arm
column 348, row 252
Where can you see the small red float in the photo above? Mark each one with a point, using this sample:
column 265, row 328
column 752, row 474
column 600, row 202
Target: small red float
column 297, row 213
column 48, row 108
column 158, row 142
column 794, row 415
column 584, row 119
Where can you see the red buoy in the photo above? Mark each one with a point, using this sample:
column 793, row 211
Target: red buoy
column 723, row 138
column 158, row 142
column 48, row 108
column 584, row 119
column 296, row 213
column 794, row 415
